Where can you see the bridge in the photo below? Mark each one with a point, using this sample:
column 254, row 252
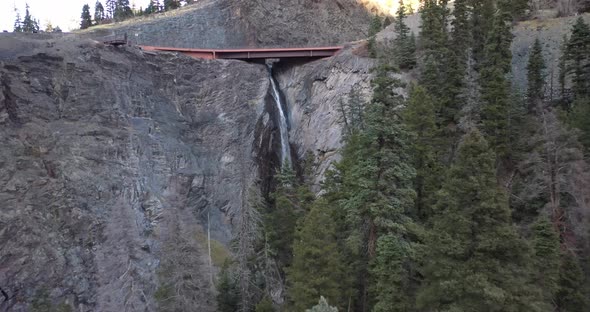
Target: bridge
column 251, row 54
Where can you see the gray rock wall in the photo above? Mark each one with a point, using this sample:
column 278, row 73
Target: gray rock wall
column 111, row 162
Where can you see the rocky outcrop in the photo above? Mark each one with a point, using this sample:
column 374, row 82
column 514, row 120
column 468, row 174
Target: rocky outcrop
column 247, row 23
column 114, row 164
column 315, row 92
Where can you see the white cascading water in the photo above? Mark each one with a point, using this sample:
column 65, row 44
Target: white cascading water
column 283, row 126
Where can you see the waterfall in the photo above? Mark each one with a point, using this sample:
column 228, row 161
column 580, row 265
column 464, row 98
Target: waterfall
column 283, row 125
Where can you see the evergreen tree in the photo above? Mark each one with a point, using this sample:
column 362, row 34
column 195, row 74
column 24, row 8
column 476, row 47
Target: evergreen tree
column 419, row 116
column 265, row 305
column 454, row 84
column 29, row 24
column 280, row 222
column 153, row 7
column 171, row 5
column 481, row 25
column 570, row 295
column 546, row 259
column 578, row 57
column 435, row 71
column 86, row 17
column 580, row 118
column 376, row 182
column 228, row 294
column 404, row 51
column 516, row 8
column 535, row 76
column 374, row 28
column 495, row 93
column 563, row 71
column 318, row 268
column 352, row 113
column 122, row 10
column 475, row 256
column 111, row 6
column 433, row 33
column 393, row 271
column 17, row 22
column 98, row 12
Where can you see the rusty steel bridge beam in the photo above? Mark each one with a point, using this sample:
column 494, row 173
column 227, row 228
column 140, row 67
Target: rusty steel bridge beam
column 245, row 54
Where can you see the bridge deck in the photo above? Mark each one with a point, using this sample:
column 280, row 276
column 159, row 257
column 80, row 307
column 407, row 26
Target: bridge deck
column 244, row 54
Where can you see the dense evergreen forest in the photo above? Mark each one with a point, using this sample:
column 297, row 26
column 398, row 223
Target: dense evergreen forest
column 464, row 195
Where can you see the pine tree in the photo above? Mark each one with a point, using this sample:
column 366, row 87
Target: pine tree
column 419, row 116
column 111, row 6
column 352, row 114
column 376, row 181
column 122, row 10
column 98, row 13
column 515, row 8
column 280, row 222
column 475, row 256
column 570, row 295
column 171, row 5
column 435, row 69
column 153, row 7
column 374, row 28
column 454, row 84
column 17, row 22
column 29, row 24
column 563, row 72
column 393, row 271
column 535, row 76
column 86, row 17
column 265, row 305
column 580, row 118
column 495, row 93
column 481, row 25
column 578, row 56
column 228, row 294
column 318, row 268
column 404, row 51
column 546, row 259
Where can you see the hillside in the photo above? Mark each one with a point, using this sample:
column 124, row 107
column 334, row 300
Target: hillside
column 248, row 23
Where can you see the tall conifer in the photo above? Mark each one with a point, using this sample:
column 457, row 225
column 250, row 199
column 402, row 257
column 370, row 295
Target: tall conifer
column 86, row 18
column 475, row 256
column 318, row 268
column 495, row 93
column 98, row 12
column 578, row 56
column 403, row 47
column 420, row 118
column 546, row 259
column 535, row 76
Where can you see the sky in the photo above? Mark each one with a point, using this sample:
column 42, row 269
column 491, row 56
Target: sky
column 62, row 13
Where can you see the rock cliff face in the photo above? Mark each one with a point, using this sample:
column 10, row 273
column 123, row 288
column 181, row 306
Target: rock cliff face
column 249, row 23
column 113, row 163
column 116, row 162
column 315, row 92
